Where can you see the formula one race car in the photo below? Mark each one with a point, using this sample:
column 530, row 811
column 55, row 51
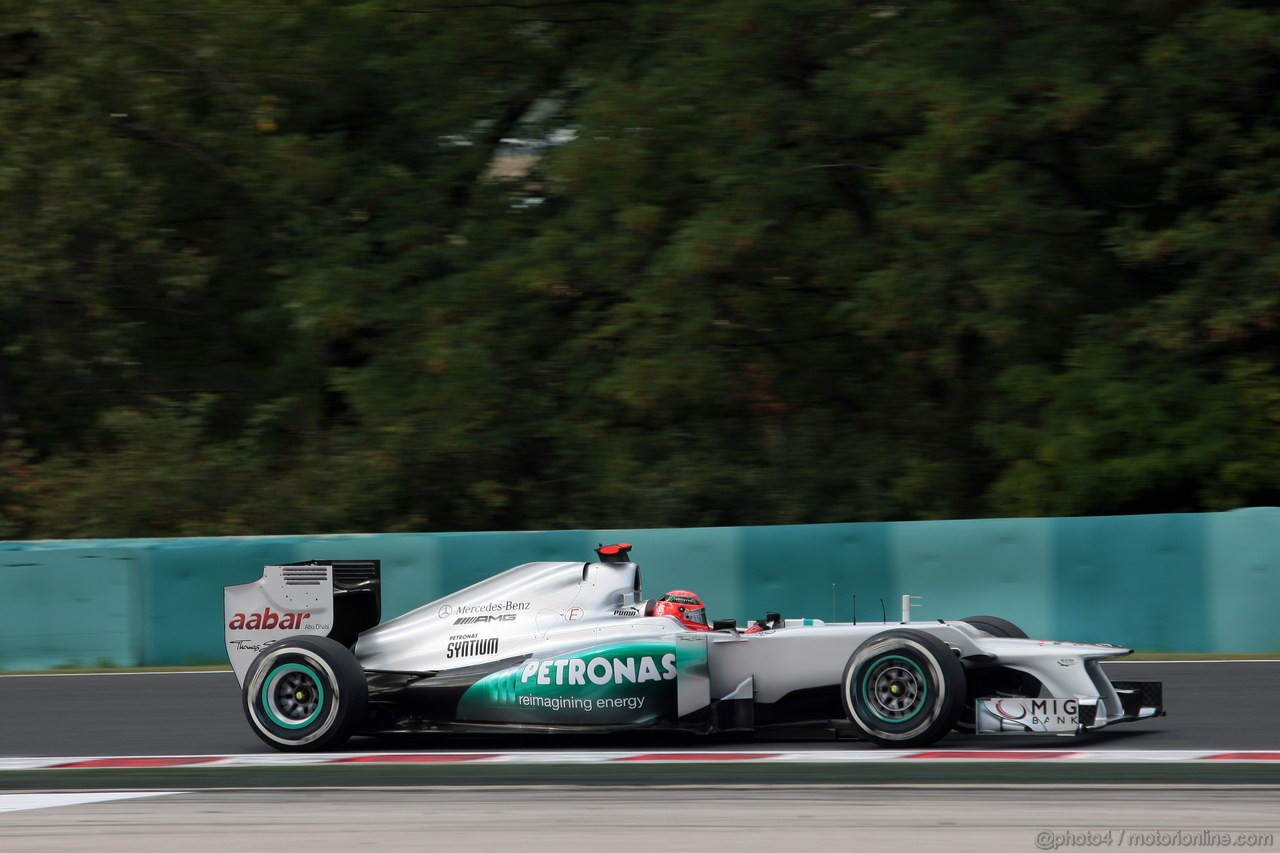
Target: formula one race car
column 575, row 647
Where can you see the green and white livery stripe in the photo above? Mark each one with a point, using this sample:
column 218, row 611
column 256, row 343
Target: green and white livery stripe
column 616, row 684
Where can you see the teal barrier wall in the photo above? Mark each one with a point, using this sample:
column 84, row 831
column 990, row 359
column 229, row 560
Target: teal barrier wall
column 81, row 604
column 1194, row 582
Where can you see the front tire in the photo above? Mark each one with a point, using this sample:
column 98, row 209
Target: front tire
column 986, row 682
column 903, row 688
column 305, row 693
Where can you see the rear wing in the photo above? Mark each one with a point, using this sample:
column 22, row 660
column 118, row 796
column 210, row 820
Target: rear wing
column 329, row 598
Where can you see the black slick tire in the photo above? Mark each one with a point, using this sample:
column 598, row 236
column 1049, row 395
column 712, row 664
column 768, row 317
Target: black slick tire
column 985, row 682
column 995, row 626
column 305, row 693
column 903, row 688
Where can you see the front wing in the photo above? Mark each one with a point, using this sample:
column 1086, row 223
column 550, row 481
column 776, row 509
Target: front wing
column 1140, row 700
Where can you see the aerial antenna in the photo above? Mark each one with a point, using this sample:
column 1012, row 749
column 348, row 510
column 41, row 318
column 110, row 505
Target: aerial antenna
column 884, row 614
column 855, row 608
column 906, row 607
column 833, row 602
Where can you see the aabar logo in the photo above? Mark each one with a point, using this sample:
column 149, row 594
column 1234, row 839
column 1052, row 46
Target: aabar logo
column 267, row 620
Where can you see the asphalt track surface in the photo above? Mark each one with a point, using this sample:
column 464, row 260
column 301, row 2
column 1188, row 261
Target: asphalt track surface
column 1218, row 705
column 1213, row 706
column 991, row 820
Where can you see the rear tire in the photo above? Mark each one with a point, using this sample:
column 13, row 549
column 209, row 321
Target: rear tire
column 305, row 693
column 903, row 688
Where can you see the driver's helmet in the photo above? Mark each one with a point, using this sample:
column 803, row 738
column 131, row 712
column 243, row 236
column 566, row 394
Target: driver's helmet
column 685, row 606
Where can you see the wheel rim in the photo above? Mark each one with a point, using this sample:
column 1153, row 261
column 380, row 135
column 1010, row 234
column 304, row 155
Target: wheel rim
column 894, row 689
column 292, row 695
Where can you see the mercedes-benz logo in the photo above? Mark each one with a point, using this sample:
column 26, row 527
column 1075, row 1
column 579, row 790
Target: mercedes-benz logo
column 445, row 610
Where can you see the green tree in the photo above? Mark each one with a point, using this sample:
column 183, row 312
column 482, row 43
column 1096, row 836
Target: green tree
column 471, row 265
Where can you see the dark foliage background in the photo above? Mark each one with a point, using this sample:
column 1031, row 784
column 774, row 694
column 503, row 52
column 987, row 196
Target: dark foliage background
column 388, row 265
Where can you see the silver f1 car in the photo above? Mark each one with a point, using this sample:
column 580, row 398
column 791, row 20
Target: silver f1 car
column 574, row 647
